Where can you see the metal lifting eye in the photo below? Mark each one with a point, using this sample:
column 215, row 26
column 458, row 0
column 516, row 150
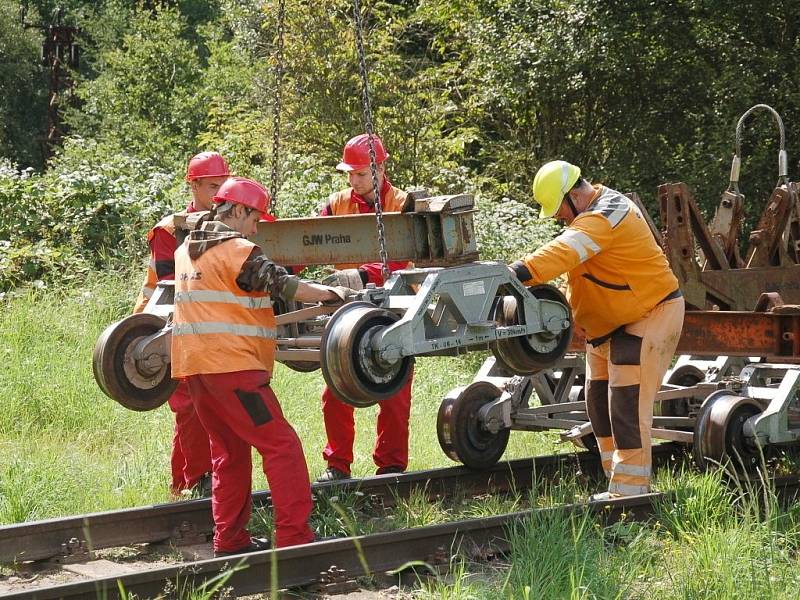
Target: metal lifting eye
column 783, row 158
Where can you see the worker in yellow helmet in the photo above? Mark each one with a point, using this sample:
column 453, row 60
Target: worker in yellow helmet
column 627, row 300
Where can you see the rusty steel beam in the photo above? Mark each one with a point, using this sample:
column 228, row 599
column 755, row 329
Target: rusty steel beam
column 441, row 234
column 772, row 335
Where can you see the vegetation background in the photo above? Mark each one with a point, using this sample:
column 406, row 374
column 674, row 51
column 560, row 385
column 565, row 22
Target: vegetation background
column 468, row 95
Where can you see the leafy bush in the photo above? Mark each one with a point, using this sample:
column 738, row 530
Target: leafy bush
column 90, row 212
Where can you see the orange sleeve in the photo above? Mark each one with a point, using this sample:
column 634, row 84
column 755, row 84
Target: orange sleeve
column 586, row 237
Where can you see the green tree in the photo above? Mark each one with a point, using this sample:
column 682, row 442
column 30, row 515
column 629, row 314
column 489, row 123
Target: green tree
column 23, row 100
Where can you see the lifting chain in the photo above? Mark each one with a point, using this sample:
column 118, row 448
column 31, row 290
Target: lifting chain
column 362, row 67
column 276, row 106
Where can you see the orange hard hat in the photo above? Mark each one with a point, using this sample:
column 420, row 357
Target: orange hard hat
column 207, row 164
column 356, row 153
column 246, row 192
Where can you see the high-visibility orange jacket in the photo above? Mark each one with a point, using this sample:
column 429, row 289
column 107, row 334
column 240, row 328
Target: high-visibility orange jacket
column 347, row 202
column 616, row 272
column 156, row 272
column 218, row 327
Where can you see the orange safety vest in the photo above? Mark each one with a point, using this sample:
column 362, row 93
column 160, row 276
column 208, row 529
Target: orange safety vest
column 217, row 326
column 150, row 277
column 341, row 203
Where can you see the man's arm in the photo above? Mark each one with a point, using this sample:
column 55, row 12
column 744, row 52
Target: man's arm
column 162, row 253
column 578, row 243
column 259, row 273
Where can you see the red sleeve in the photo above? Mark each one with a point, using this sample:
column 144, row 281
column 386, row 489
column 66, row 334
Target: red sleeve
column 162, row 252
column 374, row 270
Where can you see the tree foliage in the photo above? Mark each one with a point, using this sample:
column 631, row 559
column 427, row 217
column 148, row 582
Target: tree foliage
column 467, row 94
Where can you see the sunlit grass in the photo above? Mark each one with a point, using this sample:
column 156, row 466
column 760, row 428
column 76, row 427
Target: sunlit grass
column 67, row 448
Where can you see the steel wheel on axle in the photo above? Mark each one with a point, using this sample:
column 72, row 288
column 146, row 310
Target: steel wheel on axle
column 521, row 355
column 719, row 436
column 685, row 376
column 349, row 364
column 136, row 382
column 461, row 434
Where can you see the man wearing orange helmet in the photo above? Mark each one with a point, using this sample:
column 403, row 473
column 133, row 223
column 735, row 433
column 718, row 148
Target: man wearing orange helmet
column 391, row 445
column 223, row 344
column 191, row 457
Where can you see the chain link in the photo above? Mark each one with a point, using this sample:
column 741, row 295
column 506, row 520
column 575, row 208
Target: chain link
column 276, row 106
column 362, row 67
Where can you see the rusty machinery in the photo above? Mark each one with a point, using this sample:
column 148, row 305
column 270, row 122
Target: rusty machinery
column 719, row 397
column 366, row 347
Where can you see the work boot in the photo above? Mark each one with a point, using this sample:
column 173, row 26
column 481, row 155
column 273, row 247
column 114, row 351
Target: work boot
column 255, row 545
column 333, row 474
column 390, row 469
column 603, row 497
column 202, row 489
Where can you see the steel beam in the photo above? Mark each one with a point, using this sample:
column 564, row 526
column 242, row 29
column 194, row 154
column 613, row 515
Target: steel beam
column 441, row 236
column 774, row 336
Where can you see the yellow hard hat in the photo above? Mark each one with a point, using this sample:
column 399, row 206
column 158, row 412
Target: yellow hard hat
column 552, row 181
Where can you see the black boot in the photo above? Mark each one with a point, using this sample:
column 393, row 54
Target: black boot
column 333, row 474
column 255, row 545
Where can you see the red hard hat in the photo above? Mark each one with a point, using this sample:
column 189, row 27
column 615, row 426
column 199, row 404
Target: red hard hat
column 356, row 153
column 207, row 164
column 247, row 192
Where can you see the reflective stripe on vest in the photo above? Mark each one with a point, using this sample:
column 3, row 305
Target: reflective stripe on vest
column 224, row 297
column 231, row 328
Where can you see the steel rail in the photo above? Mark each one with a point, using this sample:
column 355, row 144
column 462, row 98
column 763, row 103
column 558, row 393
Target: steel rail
column 303, row 565
column 183, row 522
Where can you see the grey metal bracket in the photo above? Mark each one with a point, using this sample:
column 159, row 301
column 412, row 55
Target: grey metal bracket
column 449, row 310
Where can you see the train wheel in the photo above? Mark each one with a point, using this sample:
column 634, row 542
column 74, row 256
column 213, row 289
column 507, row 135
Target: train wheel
column 461, row 434
column 136, row 382
column 719, row 432
column 349, row 364
column 526, row 355
column 588, row 442
column 686, row 376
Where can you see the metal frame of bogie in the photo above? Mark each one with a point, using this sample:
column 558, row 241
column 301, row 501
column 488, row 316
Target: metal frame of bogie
column 366, row 347
column 723, row 408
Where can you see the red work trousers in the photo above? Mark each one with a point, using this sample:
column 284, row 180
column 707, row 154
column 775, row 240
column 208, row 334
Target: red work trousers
column 191, row 454
column 239, row 410
column 391, row 445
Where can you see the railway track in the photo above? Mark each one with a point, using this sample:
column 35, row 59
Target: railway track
column 76, row 539
column 477, row 539
column 188, row 522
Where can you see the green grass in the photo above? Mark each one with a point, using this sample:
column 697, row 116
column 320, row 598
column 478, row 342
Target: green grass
column 66, row 448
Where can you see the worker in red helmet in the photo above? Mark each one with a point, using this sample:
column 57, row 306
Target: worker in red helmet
column 223, row 344
column 191, row 457
column 391, row 445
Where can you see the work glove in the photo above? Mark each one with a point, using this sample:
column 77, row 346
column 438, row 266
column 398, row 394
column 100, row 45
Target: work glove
column 351, row 278
column 342, row 294
column 520, row 270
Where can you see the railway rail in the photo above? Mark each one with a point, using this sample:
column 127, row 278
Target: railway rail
column 187, row 522
column 77, row 538
column 477, row 539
